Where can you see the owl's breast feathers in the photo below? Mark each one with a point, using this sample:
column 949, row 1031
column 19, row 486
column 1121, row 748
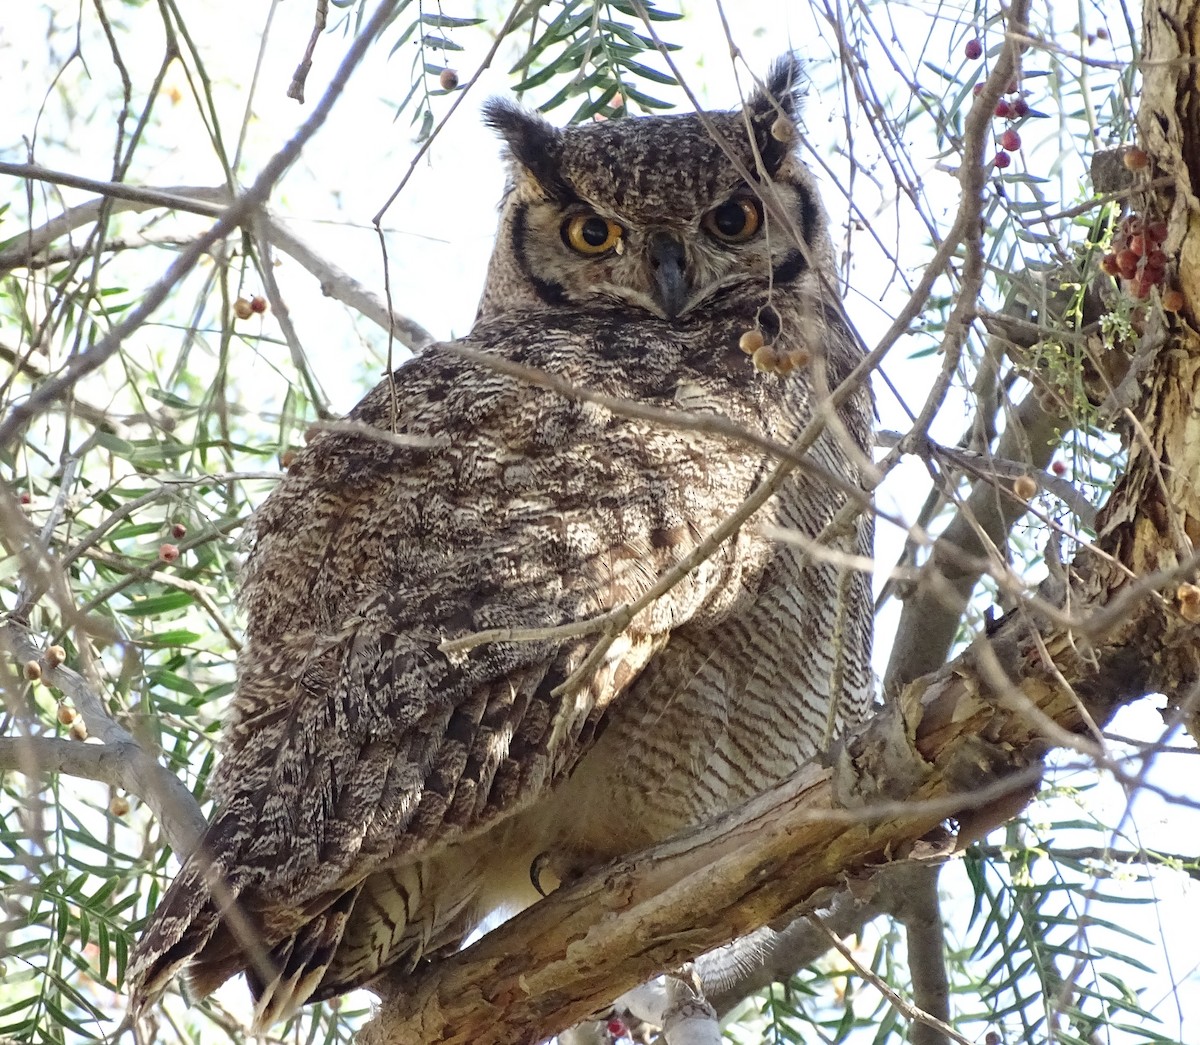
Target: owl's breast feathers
column 353, row 738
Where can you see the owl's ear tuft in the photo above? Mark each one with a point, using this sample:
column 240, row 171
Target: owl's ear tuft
column 533, row 145
column 775, row 110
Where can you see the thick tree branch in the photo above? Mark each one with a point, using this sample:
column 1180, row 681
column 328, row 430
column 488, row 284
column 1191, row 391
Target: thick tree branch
column 954, row 745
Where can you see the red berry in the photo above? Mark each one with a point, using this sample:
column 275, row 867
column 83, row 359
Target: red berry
column 1101, row 33
column 1003, row 109
column 1138, row 244
column 1157, row 231
column 258, row 304
column 1108, row 264
column 1127, row 263
column 1002, row 160
column 977, row 90
column 26, row 497
column 1010, row 141
column 616, row 1028
column 168, row 552
column 178, row 531
column 1020, row 108
column 1155, row 263
column 974, row 49
column 1058, row 468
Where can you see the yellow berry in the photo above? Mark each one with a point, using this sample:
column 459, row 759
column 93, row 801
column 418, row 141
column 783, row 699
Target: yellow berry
column 119, row 806
column 66, row 714
column 242, row 309
column 764, row 359
column 1025, row 487
column 1188, row 597
column 751, row 341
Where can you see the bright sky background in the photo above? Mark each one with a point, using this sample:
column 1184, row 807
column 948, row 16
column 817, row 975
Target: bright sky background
column 440, row 230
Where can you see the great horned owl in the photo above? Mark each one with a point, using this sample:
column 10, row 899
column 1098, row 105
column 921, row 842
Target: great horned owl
column 379, row 795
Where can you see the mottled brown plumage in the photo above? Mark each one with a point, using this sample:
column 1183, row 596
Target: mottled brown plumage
column 378, row 796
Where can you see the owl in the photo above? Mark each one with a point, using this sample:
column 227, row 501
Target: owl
column 384, row 786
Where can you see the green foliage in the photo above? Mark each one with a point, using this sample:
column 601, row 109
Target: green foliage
column 124, row 506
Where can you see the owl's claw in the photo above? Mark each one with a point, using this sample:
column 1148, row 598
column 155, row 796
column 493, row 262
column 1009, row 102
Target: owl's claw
column 536, row 868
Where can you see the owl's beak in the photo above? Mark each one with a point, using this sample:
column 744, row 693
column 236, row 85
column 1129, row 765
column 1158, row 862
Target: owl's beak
column 667, row 263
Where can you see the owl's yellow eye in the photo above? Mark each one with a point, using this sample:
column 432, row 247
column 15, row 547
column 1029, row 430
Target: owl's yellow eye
column 591, row 234
column 735, row 220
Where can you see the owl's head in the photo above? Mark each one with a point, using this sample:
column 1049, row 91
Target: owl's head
column 666, row 214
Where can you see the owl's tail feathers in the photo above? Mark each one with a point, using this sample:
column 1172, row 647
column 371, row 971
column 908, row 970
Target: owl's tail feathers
column 297, row 966
column 199, row 908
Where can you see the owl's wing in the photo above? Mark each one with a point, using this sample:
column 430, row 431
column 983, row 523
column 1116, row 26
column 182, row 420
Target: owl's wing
column 354, row 739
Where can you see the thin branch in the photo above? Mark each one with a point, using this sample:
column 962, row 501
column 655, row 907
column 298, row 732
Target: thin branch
column 235, row 215
column 120, row 760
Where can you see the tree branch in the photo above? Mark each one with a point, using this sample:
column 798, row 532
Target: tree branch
column 952, row 745
column 120, row 760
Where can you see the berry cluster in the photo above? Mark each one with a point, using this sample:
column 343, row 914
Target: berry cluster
column 1014, row 107
column 1138, row 259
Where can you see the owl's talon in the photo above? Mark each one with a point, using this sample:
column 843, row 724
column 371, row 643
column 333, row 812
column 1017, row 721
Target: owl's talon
column 536, row 868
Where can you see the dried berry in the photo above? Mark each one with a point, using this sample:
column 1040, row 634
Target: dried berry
column 1135, row 159
column 1172, row 301
column 168, row 552
column 1157, row 231
column 1188, row 597
column 1108, row 264
column 32, row 670
column 1010, row 141
column 764, row 359
column 79, row 730
column 119, row 805
column 751, row 341
column 287, row 458
column 1025, row 487
column 54, row 656
column 66, row 714
column 242, row 309
column 1127, row 263
column 448, row 79
column 974, row 49
column 178, row 531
